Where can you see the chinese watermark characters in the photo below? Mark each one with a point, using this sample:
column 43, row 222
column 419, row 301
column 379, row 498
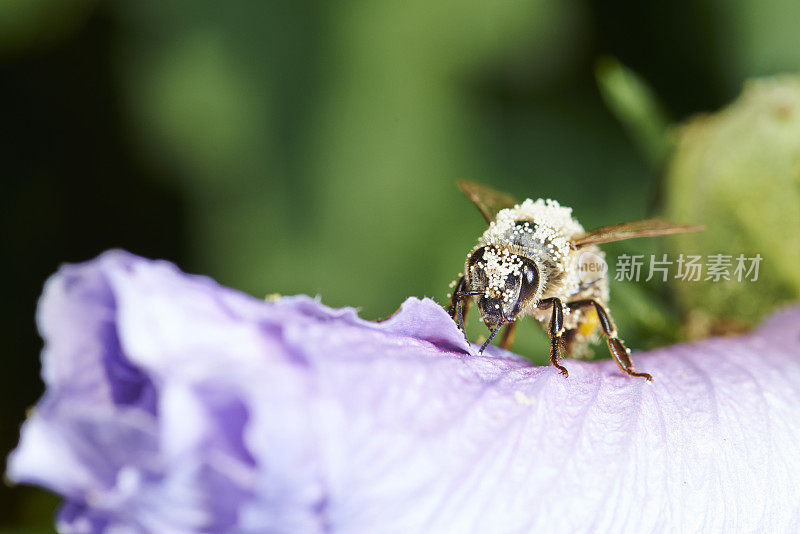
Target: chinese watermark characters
column 688, row 268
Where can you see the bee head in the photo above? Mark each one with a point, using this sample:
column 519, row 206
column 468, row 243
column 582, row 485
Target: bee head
column 507, row 282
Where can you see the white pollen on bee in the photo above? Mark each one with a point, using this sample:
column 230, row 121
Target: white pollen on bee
column 545, row 221
column 498, row 265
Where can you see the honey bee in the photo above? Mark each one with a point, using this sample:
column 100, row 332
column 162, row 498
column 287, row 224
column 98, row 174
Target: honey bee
column 535, row 259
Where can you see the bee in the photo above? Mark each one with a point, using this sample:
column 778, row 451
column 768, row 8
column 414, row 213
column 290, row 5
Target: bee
column 535, row 259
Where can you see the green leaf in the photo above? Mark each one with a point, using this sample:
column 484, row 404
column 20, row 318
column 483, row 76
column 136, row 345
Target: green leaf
column 636, row 106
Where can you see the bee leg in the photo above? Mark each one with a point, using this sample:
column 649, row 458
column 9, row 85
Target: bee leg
column 555, row 331
column 568, row 340
column 622, row 354
column 508, row 336
column 615, row 345
column 459, row 304
column 461, row 314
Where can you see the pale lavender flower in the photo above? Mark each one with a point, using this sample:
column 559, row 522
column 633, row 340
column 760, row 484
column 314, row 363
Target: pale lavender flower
column 177, row 405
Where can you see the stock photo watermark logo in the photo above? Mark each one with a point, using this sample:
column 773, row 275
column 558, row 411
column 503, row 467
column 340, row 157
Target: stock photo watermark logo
column 688, row 268
column 591, row 267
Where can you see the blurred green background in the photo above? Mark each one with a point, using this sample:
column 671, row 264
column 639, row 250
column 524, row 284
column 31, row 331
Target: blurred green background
column 313, row 147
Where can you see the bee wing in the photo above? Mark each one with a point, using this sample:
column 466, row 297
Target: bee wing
column 488, row 201
column 645, row 228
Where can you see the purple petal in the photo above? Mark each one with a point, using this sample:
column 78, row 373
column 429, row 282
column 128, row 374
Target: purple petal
column 174, row 404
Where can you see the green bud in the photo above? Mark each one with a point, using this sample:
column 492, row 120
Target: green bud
column 738, row 172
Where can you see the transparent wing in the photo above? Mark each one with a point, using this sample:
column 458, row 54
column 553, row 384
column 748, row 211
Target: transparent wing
column 645, row 228
column 488, row 201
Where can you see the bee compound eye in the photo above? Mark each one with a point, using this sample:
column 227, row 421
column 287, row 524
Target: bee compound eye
column 530, row 274
column 476, row 256
column 530, row 280
column 477, row 273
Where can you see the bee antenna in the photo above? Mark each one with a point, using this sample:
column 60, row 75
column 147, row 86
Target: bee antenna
column 491, row 337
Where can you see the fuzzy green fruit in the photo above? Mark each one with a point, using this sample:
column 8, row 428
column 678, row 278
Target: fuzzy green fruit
column 738, row 172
